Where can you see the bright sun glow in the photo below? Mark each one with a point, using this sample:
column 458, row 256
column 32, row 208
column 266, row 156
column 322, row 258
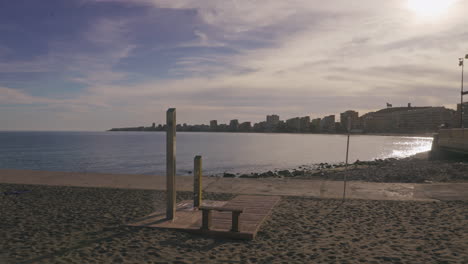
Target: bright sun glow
column 430, row 8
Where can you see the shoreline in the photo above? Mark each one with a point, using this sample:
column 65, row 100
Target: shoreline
column 414, row 169
column 305, row 187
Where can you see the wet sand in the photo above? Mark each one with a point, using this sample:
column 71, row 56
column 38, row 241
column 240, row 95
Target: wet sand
column 52, row 224
column 319, row 188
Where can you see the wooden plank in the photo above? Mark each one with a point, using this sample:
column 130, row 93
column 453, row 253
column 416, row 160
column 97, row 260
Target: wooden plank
column 223, row 209
column 189, row 219
column 256, row 210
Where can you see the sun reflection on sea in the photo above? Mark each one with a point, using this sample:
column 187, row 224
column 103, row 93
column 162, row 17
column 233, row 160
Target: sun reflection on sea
column 406, row 148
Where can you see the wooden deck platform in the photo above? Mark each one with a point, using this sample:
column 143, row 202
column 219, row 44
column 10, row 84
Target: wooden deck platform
column 256, row 209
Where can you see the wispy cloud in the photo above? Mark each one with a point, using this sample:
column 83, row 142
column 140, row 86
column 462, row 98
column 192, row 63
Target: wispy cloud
column 13, row 96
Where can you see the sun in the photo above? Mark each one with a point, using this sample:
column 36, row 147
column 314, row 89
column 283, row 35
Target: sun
column 430, row 8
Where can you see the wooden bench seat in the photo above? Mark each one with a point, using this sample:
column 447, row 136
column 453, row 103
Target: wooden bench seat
column 206, row 216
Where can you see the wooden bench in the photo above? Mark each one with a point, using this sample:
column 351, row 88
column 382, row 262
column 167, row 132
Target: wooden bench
column 206, row 216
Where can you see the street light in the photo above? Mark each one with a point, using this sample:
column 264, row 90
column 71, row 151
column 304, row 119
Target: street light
column 461, row 63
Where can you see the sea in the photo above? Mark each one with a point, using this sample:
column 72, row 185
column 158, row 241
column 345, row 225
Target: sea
column 144, row 152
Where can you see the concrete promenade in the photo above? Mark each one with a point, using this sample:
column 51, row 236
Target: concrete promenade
column 264, row 186
column 453, row 140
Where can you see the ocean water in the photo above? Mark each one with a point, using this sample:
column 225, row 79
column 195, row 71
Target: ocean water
column 144, row 152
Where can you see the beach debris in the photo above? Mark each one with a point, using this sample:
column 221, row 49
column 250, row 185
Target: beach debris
column 16, row 192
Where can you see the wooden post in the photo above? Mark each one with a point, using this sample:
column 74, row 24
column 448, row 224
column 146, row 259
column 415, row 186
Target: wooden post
column 346, row 161
column 206, row 219
column 171, row 163
column 235, row 222
column 197, row 181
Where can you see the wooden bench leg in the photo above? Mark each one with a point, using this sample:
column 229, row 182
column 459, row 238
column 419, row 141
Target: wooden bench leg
column 235, row 222
column 206, row 219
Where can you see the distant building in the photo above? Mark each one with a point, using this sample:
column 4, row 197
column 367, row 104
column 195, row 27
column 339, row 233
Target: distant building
column 315, row 125
column 223, row 127
column 271, row 123
column 293, row 124
column 327, row 124
column 245, row 127
column 457, row 120
column 213, row 125
column 349, row 116
column 234, row 125
column 407, row 119
column 272, row 120
column 339, row 128
column 304, row 124
column 425, row 120
column 260, row 127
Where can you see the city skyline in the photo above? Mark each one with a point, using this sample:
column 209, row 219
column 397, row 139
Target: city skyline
column 406, row 119
column 95, row 64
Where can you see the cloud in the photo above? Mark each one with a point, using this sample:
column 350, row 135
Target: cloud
column 10, row 96
column 249, row 59
column 202, row 41
column 106, row 31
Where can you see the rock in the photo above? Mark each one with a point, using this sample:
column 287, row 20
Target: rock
column 254, row 175
column 228, row 175
column 267, row 174
column 285, row 173
column 297, row 173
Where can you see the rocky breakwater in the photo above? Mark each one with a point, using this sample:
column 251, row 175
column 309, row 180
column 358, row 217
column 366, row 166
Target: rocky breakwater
column 408, row 170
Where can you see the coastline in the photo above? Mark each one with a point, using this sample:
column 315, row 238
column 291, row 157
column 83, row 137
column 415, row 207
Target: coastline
column 430, row 134
column 318, row 187
column 414, row 169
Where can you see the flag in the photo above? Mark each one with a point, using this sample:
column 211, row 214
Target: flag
column 460, row 63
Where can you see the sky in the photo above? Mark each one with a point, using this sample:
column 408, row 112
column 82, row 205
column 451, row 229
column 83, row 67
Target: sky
column 98, row 64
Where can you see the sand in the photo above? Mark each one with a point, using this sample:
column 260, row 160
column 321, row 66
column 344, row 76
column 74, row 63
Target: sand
column 51, row 224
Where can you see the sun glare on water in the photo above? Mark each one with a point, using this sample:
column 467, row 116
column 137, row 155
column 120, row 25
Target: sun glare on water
column 430, row 8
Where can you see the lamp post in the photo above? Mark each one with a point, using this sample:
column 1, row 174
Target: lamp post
column 461, row 63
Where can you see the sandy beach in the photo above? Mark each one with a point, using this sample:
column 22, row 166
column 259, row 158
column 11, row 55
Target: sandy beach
column 53, row 224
